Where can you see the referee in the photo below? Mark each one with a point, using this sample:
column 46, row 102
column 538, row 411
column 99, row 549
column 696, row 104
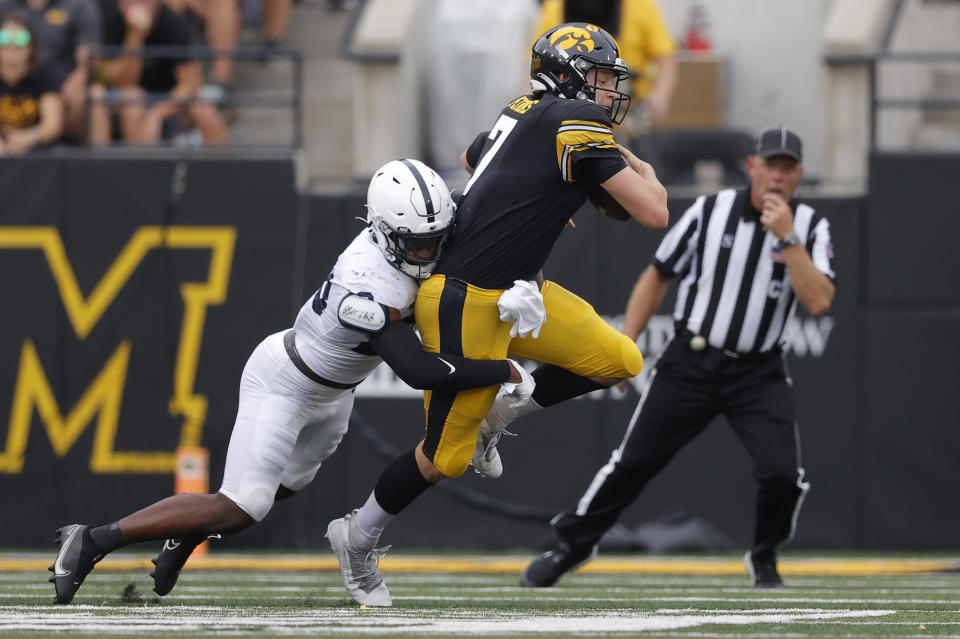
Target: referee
column 743, row 258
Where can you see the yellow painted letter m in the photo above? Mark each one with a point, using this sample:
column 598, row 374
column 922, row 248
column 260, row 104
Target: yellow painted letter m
column 103, row 396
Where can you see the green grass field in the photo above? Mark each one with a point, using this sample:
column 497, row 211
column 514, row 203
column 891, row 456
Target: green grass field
column 829, row 597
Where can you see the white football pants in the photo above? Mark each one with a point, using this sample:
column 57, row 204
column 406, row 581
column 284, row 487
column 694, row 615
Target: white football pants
column 286, row 426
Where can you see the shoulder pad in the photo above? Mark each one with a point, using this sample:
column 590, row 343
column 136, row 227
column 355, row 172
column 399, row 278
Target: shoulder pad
column 587, row 110
column 359, row 312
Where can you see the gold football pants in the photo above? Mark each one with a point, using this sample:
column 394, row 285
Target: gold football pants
column 461, row 319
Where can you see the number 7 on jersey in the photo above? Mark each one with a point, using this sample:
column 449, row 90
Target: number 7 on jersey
column 498, row 134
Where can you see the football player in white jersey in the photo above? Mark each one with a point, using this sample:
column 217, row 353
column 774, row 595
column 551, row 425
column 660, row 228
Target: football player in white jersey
column 297, row 388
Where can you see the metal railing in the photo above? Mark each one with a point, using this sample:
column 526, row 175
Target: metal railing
column 292, row 99
column 872, row 60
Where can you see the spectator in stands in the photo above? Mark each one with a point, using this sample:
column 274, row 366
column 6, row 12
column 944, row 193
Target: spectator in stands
column 645, row 45
column 66, row 31
column 213, row 23
column 154, row 91
column 276, row 18
column 31, row 112
column 219, row 23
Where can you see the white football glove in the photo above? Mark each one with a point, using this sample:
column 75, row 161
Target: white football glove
column 522, row 304
column 518, row 394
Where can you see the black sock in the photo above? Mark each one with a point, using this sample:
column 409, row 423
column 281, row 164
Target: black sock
column 400, row 483
column 555, row 384
column 108, row 537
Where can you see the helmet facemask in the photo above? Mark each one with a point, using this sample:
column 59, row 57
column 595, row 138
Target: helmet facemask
column 415, row 254
column 587, row 91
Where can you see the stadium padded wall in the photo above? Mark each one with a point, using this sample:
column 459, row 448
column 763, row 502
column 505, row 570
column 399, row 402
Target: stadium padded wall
column 911, row 347
column 131, row 312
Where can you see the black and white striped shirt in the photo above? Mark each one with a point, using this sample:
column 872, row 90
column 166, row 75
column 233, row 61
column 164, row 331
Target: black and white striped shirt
column 735, row 289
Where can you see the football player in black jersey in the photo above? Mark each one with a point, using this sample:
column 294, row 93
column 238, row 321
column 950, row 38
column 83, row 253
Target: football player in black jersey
column 546, row 153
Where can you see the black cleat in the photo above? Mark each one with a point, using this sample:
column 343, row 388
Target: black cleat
column 170, row 561
column 545, row 570
column 78, row 554
column 763, row 570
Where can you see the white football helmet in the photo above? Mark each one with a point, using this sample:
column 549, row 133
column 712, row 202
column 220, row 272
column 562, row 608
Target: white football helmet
column 410, row 213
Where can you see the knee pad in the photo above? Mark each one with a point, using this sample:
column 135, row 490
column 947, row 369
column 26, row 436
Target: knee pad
column 452, row 466
column 253, row 497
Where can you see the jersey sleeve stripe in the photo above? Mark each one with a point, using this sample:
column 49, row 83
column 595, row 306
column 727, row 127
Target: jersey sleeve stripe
column 585, row 124
column 598, row 129
column 583, row 136
column 565, row 157
column 578, row 138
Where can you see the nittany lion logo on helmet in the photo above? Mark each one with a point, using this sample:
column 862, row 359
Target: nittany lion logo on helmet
column 578, row 39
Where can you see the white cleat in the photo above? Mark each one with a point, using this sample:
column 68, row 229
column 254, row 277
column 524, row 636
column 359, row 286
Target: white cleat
column 359, row 568
column 486, row 458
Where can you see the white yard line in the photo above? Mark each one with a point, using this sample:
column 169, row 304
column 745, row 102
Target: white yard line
column 915, row 624
column 728, row 600
column 797, row 635
column 182, row 619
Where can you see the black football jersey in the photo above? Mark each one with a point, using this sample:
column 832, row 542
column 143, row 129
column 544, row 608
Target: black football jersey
column 537, row 166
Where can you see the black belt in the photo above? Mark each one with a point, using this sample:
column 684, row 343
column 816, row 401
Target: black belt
column 290, row 344
column 698, row 343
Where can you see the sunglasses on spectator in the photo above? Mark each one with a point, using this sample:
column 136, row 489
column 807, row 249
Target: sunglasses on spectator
column 16, row 37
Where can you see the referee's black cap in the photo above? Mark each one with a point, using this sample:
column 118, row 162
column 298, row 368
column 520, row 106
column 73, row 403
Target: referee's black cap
column 779, row 140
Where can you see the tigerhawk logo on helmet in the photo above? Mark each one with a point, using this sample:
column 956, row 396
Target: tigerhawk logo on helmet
column 563, row 58
column 574, row 38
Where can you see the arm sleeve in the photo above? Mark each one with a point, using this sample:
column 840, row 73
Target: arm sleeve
column 586, row 150
column 674, row 255
column 476, row 148
column 403, row 352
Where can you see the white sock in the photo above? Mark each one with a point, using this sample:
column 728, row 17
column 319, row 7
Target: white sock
column 501, row 415
column 530, row 407
column 368, row 523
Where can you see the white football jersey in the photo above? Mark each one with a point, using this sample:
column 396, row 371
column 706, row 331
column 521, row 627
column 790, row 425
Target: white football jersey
column 330, row 349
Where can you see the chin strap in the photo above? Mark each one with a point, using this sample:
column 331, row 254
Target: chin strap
column 543, row 82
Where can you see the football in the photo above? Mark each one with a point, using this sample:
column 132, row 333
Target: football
column 607, row 205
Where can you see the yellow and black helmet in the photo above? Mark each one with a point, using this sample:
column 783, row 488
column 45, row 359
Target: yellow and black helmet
column 564, row 55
